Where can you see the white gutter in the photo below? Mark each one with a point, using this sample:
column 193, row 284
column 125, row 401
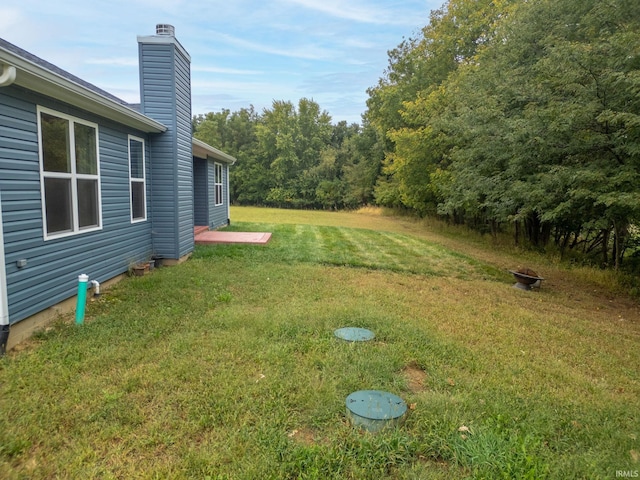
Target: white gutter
column 4, row 305
column 228, row 200
column 47, row 82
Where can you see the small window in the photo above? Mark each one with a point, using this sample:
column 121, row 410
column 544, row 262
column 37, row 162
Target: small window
column 218, row 184
column 69, row 174
column 137, row 182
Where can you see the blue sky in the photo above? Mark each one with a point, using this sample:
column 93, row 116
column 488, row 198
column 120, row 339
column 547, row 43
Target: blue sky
column 243, row 52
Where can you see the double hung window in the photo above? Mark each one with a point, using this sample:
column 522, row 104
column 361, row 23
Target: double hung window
column 137, row 181
column 218, row 184
column 69, row 174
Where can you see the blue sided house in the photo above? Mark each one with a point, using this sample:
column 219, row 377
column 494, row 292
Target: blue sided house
column 90, row 184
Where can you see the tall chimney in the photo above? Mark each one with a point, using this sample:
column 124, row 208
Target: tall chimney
column 165, row 96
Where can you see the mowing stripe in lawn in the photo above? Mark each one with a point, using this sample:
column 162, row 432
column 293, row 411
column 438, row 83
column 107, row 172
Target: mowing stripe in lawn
column 342, row 246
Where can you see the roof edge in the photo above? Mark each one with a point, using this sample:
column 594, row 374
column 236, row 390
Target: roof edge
column 203, row 150
column 37, row 78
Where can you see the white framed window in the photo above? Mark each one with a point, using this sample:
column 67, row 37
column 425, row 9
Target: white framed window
column 137, row 180
column 218, row 184
column 69, row 174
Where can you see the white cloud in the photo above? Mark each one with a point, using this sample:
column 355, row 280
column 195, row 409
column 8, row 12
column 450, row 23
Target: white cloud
column 114, row 61
column 8, row 18
column 356, row 11
column 238, row 87
column 359, row 43
column 17, row 27
column 226, row 71
column 308, row 52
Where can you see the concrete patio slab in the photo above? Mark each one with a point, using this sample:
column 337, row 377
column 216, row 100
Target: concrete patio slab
column 214, row 237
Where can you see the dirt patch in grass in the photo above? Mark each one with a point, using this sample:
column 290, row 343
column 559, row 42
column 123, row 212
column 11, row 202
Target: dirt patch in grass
column 415, row 377
column 303, row 436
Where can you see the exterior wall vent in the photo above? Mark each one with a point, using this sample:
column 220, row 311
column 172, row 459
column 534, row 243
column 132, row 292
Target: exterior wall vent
column 165, row 29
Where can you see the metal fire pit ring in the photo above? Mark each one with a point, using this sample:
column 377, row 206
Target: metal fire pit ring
column 525, row 282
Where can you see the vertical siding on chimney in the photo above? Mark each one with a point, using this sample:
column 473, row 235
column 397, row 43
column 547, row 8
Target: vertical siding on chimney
column 165, row 91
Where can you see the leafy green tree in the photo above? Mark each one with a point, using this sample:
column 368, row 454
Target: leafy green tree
column 295, row 157
column 214, row 127
column 409, row 96
column 363, row 153
column 292, row 142
column 543, row 126
column 235, row 133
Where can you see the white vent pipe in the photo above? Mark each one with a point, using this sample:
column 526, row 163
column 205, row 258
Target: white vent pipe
column 96, row 288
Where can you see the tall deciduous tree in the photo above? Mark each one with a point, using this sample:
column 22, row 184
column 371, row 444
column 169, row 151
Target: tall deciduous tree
column 402, row 105
column 532, row 120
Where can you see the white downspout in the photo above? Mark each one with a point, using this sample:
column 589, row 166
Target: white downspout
column 228, row 196
column 8, row 75
column 4, row 306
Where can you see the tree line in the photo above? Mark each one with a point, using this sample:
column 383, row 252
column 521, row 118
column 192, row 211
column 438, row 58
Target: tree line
column 293, row 156
column 504, row 115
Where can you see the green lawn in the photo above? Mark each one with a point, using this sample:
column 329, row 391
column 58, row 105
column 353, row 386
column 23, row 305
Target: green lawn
column 226, row 366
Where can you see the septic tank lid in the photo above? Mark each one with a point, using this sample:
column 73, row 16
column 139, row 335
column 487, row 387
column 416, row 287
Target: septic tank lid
column 374, row 409
column 354, row 334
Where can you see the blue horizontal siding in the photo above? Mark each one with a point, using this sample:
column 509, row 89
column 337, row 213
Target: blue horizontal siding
column 53, row 266
column 218, row 216
column 200, row 187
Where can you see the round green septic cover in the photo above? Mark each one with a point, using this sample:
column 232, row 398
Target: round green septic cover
column 373, row 409
column 354, row 334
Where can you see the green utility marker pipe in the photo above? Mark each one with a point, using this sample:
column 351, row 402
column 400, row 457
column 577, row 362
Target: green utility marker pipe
column 82, row 298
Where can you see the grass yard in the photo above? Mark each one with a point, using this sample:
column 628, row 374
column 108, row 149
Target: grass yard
column 226, row 366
